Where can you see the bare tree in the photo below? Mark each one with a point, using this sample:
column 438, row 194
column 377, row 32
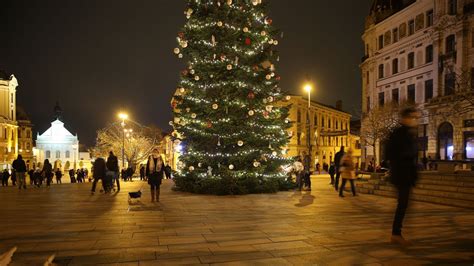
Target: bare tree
column 378, row 123
column 138, row 141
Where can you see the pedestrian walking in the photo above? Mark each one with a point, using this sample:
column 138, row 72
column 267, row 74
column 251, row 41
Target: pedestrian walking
column 337, row 162
column 5, row 177
column 72, row 176
column 332, row 172
column 155, row 168
column 59, row 175
column 99, row 172
column 318, row 168
column 307, row 170
column 47, row 172
column 113, row 170
column 130, row 173
column 347, row 173
column 168, row 171
column 298, row 169
column 401, row 152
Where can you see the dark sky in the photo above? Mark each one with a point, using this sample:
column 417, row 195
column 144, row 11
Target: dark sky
column 99, row 56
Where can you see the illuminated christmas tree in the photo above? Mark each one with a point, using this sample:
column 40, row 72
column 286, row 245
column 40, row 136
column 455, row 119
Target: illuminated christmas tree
column 229, row 110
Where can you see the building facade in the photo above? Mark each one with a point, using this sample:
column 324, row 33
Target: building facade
column 329, row 129
column 59, row 146
column 25, row 139
column 8, row 124
column 421, row 52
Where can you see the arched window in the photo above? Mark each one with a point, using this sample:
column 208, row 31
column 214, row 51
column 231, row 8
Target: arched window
column 445, row 141
column 48, row 154
column 58, row 154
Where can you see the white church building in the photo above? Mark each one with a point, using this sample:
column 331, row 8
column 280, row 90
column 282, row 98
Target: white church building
column 59, row 146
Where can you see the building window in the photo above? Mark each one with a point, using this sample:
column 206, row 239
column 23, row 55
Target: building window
column 298, row 117
column 429, row 18
column 28, row 146
column 428, row 90
column 411, row 27
column 5, row 136
column 429, row 54
column 68, row 154
column 469, row 145
column 368, row 104
column 411, row 60
column 329, row 123
column 58, row 154
column 381, row 98
column 315, row 120
column 48, row 154
column 380, row 42
column 298, row 138
column 381, row 69
column 322, row 121
column 11, row 98
column 445, row 141
column 452, row 7
column 395, row 66
column 28, row 134
column 449, row 83
column 450, row 44
column 367, row 77
column 395, row 96
column 337, row 124
column 395, row 35
column 19, row 133
column 402, row 30
column 420, row 22
column 411, row 93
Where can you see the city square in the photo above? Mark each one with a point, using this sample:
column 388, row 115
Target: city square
column 289, row 228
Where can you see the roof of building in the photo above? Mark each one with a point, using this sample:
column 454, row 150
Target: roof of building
column 382, row 9
column 21, row 113
column 322, row 104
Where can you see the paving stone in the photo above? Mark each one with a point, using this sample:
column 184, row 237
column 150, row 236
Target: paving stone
column 301, row 228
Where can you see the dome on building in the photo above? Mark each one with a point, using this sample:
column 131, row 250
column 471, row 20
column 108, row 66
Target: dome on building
column 21, row 113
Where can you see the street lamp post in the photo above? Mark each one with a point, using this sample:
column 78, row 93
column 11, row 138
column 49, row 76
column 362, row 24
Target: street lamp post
column 308, row 89
column 124, row 117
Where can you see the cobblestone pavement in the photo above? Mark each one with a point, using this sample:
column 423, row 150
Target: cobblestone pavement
column 289, row 228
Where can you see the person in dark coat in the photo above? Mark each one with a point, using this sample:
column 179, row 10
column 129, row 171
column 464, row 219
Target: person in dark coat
column 99, row 173
column 130, row 173
column 5, row 177
column 47, row 172
column 401, row 152
column 155, row 168
column 59, row 175
column 168, row 171
column 332, row 172
column 20, row 169
column 72, row 175
column 113, row 170
column 337, row 162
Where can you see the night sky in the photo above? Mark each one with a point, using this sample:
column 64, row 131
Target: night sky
column 97, row 57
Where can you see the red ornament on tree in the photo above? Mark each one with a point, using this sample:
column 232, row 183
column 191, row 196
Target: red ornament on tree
column 251, row 95
column 181, row 35
column 209, row 124
column 184, row 72
column 174, row 104
column 248, row 41
column 269, row 21
column 278, row 78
